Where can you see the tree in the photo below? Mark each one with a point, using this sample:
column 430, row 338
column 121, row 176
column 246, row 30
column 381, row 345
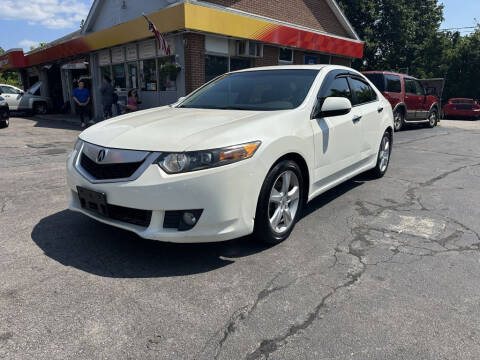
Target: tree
column 40, row 44
column 395, row 31
column 8, row 77
column 405, row 36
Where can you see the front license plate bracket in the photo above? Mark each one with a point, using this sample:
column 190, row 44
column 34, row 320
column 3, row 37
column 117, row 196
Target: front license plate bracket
column 93, row 201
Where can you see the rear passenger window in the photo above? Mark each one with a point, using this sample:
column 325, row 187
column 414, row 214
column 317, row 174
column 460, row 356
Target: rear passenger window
column 362, row 92
column 410, row 86
column 338, row 88
column 393, row 84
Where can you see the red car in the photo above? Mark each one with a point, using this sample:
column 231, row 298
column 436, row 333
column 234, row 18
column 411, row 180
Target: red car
column 410, row 101
column 462, row 108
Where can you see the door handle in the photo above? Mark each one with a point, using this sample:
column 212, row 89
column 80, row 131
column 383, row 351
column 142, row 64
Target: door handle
column 356, row 119
column 380, row 109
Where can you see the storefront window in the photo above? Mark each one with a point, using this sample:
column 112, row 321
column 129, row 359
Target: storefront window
column 168, row 73
column 119, row 78
column 215, row 66
column 132, row 75
column 105, row 70
column 286, row 55
column 240, row 63
column 148, row 73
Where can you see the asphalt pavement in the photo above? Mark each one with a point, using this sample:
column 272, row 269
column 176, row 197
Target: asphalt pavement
column 376, row 269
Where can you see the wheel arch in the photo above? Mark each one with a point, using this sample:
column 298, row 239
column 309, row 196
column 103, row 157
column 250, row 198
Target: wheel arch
column 302, row 163
column 401, row 106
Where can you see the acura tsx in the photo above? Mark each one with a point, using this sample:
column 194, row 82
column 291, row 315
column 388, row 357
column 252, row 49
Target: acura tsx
column 242, row 154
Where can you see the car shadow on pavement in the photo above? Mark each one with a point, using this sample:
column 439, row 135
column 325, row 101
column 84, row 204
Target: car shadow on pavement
column 80, row 242
column 75, row 240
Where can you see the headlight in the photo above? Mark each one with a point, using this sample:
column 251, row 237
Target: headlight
column 78, row 145
column 174, row 163
column 2, row 99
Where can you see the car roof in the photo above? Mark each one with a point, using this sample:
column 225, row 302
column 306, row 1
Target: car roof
column 295, row 67
column 387, row 73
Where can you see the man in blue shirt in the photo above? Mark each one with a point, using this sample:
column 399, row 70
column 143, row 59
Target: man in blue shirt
column 81, row 96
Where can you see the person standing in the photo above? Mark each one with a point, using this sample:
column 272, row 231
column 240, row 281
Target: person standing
column 108, row 94
column 81, row 96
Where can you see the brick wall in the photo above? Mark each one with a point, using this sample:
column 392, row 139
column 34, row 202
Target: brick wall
column 315, row 14
column 341, row 61
column 270, row 56
column 194, row 61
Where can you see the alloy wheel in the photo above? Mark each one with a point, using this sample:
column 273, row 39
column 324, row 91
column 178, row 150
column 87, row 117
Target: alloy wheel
column 384, row 155
column 433, row 119
column 397, row 121
column 284, row 202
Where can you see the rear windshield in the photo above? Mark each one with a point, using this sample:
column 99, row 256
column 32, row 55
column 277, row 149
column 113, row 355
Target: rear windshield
column 265, row 90
column 462, row 101
column 378, row 80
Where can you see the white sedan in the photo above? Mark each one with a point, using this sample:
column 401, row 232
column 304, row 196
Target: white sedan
column 243, row 154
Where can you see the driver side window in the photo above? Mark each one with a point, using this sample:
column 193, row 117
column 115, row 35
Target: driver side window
column 338, row 88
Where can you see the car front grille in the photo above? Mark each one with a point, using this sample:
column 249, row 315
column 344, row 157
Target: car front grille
column 108, row 171
column 130, row 215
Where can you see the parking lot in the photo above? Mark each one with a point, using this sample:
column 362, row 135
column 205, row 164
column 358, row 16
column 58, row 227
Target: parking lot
column 384, row 269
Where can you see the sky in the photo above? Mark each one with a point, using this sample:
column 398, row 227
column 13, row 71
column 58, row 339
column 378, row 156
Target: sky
column 24, row 23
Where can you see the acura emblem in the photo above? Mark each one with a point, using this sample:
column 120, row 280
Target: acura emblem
column 101, row 155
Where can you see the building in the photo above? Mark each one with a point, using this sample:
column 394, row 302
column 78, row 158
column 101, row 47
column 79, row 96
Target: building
column 206, row 39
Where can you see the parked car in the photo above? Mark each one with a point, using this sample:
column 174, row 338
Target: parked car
column 408, row 97
column 462, row 108
column 242, row 154
column 4, row 113
column 29, row 101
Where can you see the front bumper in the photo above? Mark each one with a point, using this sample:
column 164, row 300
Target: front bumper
column 227, row 195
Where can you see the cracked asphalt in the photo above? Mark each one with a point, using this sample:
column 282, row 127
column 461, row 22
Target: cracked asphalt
column 384, row 269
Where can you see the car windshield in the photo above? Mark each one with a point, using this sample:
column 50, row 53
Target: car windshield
column 263, row 90
column 34, row 88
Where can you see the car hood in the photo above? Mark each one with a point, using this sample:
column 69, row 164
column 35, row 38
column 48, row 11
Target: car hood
column 172, row 129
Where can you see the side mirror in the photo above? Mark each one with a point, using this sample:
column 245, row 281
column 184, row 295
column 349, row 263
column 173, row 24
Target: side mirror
column 333, row 106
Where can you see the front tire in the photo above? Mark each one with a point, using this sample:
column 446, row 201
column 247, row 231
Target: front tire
column 4, row 123
column 280, row 203
column 433, row 119
column 383, row 157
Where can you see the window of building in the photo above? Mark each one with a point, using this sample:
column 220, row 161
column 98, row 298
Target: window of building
column 393, row 83
column 240, row 63
column 132, row 75
column 119, row 77
column 167, row 72
column 215, row 66
column 362, row 92
column 106, row 70
column 148, row 75
column 285, row 56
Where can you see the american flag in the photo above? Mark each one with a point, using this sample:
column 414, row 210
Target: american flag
column 162, row 43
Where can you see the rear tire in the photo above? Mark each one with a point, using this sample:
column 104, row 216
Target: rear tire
column 433, row 119
column 4, row 123
column 280, row 203
column 398, row 119
column 383, row 157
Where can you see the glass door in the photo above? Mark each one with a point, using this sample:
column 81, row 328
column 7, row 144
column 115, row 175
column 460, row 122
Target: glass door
column 133, row 75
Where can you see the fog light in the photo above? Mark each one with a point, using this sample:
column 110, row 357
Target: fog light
column 189, row 218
